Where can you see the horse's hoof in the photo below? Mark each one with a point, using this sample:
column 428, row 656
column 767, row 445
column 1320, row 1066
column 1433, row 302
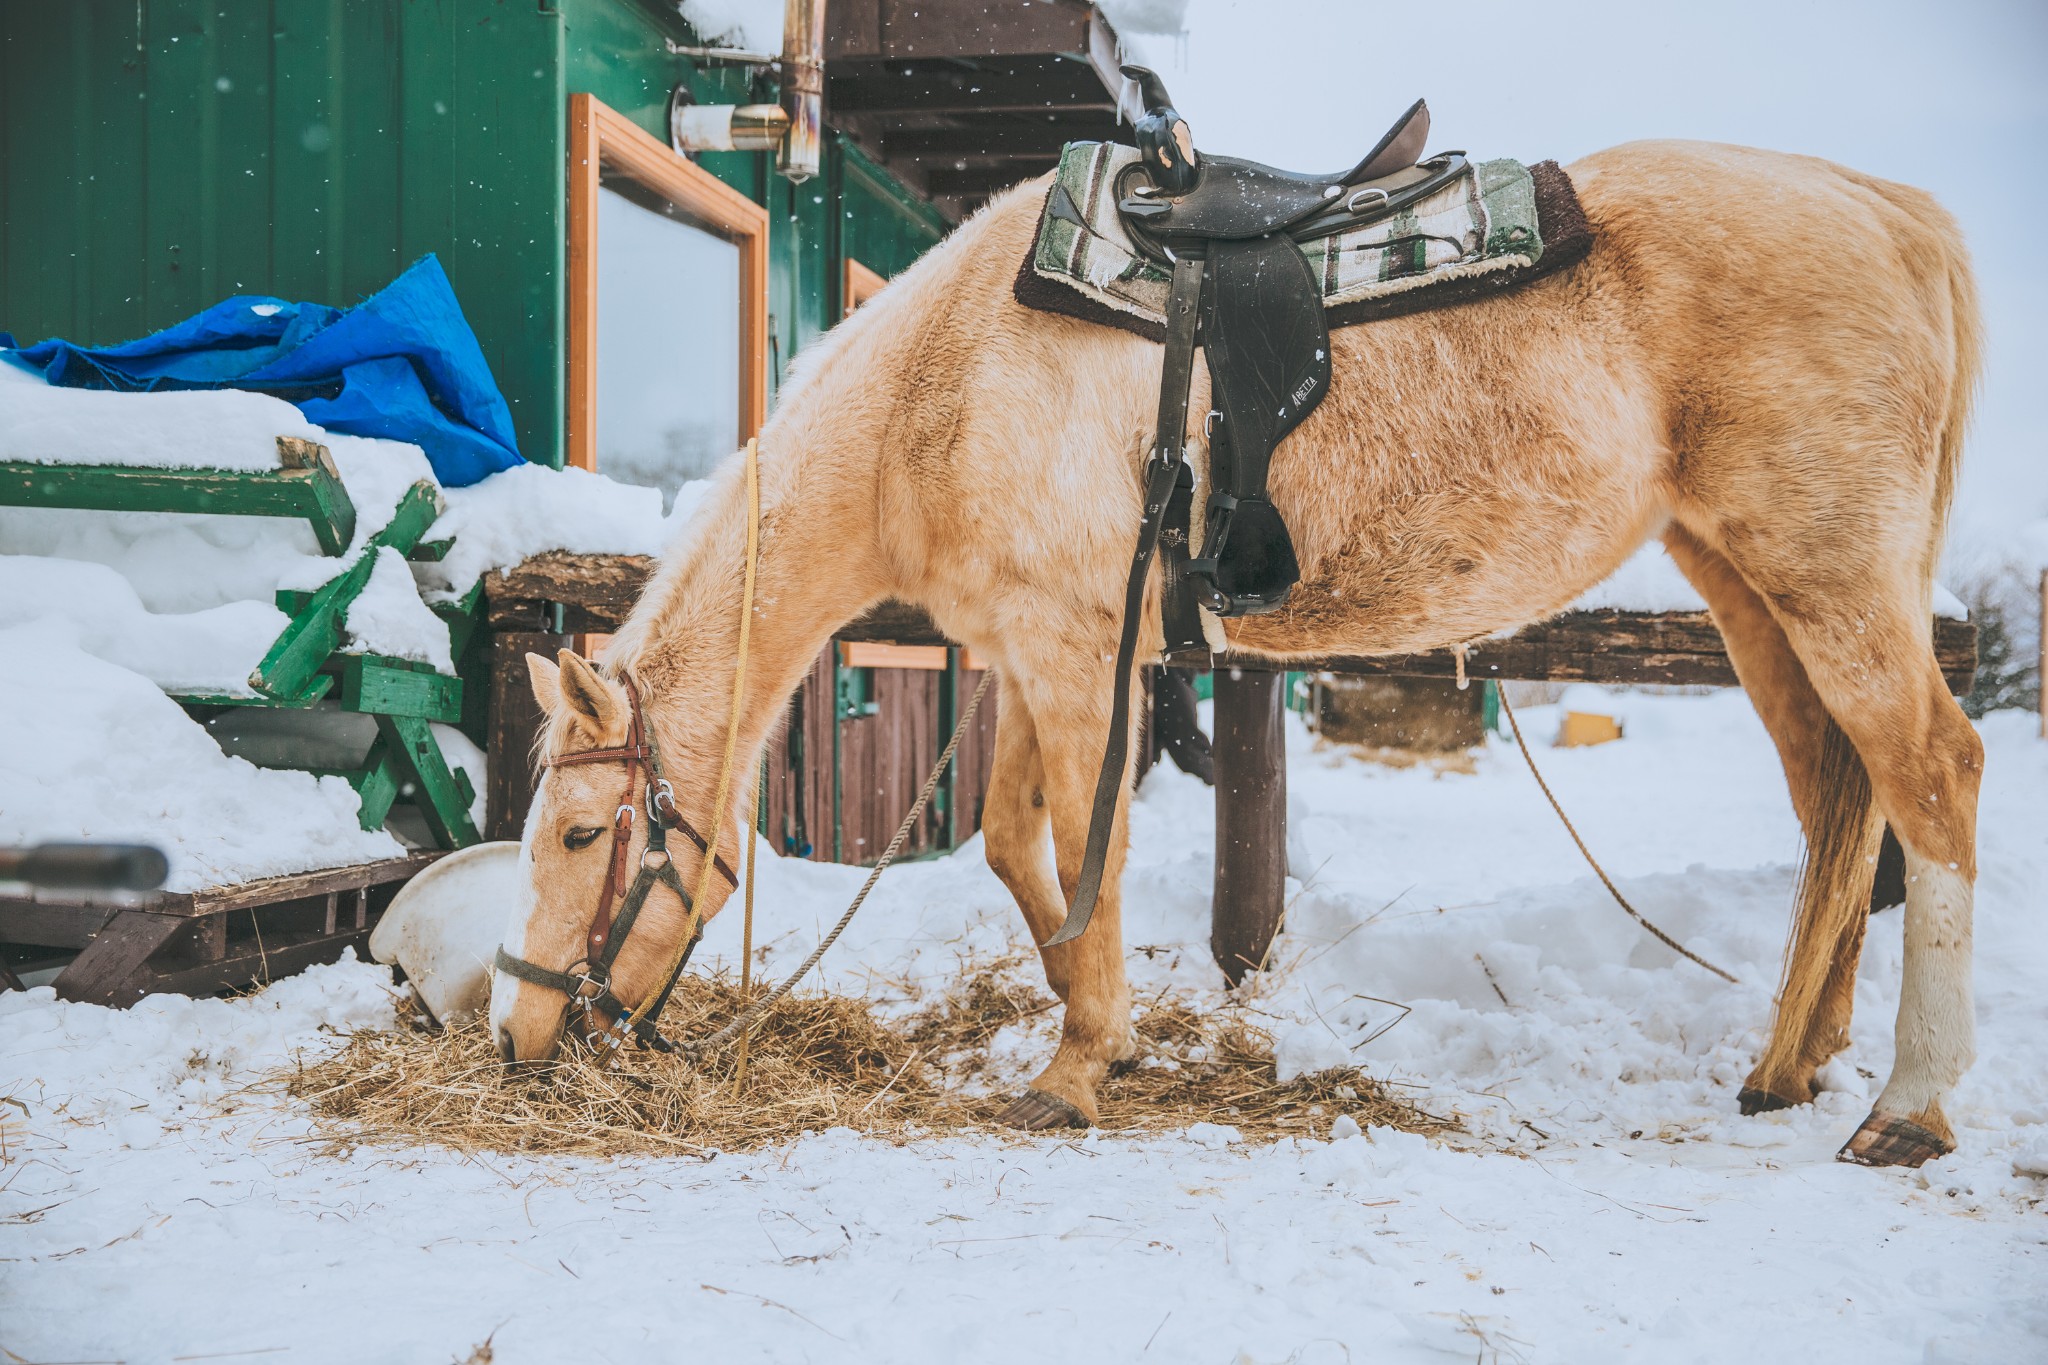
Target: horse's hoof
column 1883, row 1141
column 1035, row 1110
column 1754, row 1100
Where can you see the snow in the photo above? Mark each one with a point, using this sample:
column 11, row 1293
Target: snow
column 95, row 751
column 750, row 25
column 530, row 509
column 67, row 603
column 1606, row 1204
column 222, row 429
column 122, row 605
column 1650, row 580
column 1145, row 16
column 388, row 617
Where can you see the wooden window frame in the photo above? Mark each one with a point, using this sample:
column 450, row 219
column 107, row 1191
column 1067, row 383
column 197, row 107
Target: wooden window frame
column 857, row 285
column 601, row 138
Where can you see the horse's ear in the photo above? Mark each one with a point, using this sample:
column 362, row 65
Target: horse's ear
column 588, row 695
column 547, row 682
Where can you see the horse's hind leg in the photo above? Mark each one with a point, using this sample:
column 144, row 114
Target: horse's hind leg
column 1834, row 806
column 1014, row 824
column 1858, row 622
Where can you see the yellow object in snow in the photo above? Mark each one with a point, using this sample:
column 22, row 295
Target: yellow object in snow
column 1581, row 728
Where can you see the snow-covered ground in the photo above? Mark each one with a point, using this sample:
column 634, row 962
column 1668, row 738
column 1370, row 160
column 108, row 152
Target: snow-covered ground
column 1607, row 1203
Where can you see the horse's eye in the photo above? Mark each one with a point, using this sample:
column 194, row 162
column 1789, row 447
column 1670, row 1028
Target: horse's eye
column 580, row 838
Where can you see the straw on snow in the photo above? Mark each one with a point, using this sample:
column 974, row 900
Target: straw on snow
column 817, row 1061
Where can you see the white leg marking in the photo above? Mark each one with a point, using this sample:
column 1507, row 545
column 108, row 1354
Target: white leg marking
column 1936, row 1035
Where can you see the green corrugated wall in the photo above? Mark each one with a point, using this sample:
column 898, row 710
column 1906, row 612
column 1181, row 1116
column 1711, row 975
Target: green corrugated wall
column 159, row 155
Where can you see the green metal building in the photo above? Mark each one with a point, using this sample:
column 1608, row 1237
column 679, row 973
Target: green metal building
column 156, row 157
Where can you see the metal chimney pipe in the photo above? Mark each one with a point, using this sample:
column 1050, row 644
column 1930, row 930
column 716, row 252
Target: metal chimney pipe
column 803, row 87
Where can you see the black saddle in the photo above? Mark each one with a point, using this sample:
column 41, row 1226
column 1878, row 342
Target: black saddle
column 1230, row 226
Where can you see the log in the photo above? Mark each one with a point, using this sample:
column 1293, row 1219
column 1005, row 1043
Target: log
column 1683, row 648
column 1679, row 648
column 597, row 593
column 1250, row 889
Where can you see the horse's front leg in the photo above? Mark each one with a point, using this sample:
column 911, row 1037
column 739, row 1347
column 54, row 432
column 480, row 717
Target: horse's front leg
column 1014, row 827
column 1088, row 973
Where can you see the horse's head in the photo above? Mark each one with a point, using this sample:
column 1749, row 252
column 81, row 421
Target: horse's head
column 585, row 847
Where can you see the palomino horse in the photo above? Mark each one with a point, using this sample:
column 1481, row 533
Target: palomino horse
column 1767, row 360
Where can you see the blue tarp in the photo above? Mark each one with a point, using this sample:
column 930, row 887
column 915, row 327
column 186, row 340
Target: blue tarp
column 403, row 364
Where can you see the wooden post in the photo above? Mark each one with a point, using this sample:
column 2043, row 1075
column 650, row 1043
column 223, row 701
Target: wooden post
column 515, row 721
column 1251, row 819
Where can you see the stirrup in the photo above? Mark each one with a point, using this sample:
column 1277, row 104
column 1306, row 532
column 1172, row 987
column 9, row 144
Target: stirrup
column 1248, row 565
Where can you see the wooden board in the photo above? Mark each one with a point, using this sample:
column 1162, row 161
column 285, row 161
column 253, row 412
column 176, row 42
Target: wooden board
column 306, row 486
column 204, row 941
column 1587, row 646
column 1680, row 648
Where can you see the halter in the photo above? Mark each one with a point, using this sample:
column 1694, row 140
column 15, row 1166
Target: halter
column 588, row 982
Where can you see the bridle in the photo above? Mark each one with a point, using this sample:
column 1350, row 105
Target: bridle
column 588, row 983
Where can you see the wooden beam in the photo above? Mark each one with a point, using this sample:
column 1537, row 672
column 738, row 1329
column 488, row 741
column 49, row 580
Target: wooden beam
column 982, row 179
column 1041, row 137
column 394, row 687
column 1616, row 647
column 1250, row 889
column 1008, row 86
column 311, row 491
column 295, row 658
column 515, row 723
column 105, row 970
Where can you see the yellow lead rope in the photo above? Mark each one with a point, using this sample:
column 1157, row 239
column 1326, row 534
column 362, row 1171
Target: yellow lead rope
column 719, row 813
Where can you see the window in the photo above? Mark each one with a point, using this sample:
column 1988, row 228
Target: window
column 857, row 286
column 668, row 307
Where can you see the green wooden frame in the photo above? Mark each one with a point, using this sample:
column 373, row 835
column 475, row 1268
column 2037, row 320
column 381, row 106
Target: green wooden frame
column 307, row 486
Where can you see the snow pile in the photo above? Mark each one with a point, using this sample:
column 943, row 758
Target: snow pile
column 1634, row 1206
column 388, row 617
column 50, row 604
column 531, row 509
column 1130, row 17
column 112, row 608
column 750, row 25
column 223, row 429
column 94, row 751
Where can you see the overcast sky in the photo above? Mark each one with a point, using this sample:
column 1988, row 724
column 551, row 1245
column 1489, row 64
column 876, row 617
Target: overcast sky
column 1952, row 97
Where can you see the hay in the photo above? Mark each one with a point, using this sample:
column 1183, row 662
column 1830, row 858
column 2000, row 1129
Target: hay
column 817, row 1061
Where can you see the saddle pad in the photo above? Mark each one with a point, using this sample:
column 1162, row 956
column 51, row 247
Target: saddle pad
column 1498, row 226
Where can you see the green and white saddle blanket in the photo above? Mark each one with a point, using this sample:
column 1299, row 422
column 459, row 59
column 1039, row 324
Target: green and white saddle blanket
column 1500, row 225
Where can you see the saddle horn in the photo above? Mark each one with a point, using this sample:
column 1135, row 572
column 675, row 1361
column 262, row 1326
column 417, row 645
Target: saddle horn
column 1163, row 136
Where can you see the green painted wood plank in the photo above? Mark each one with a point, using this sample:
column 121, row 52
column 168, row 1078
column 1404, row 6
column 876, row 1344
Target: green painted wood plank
column 376, row 685
column 315, row 690
column 378, row 783
column 316, row 631
column 441, row 797
column 464, row 615
column 314, row 494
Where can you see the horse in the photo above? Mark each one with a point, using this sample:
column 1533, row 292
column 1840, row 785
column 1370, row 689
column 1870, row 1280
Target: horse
column 1766, row 359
